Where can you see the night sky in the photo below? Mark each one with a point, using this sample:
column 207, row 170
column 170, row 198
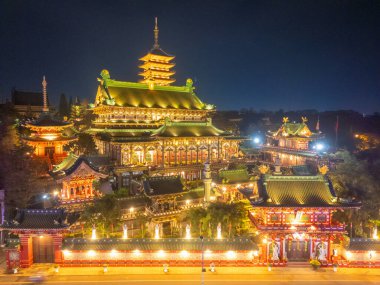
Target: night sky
column 292, row 55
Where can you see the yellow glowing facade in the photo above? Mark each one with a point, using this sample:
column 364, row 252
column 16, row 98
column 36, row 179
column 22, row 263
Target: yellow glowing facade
column 48, row 138
column 157, row 126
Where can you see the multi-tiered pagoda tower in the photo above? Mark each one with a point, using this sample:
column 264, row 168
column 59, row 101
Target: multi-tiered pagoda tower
column 48, row 135
column 157, row 65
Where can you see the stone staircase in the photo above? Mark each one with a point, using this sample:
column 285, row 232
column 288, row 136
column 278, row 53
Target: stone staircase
column 298, row 264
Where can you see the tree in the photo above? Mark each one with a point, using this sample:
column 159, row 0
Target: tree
column 21, row 175
column 104, row 214
column 231, row 216
column 363, row 186
column 63, row 106
column 84, row 145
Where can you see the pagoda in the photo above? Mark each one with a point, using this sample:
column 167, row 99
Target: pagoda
column 157, row 65
column 293, row 144
column 48, row 134
column 148, row 126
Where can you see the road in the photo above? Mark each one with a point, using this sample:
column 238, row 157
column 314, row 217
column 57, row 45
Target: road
column 183, row 279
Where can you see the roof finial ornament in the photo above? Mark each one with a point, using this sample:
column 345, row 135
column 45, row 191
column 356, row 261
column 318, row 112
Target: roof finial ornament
column 45, row 109
column 156, row 33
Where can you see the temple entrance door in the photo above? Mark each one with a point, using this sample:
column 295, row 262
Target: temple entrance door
column 49, row 151
column 43, row 249
column 297, row 250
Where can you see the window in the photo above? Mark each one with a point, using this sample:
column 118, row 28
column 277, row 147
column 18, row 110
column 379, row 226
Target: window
column 321, row 218
column 274, row 218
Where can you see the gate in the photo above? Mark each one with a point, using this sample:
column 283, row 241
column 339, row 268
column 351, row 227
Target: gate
column 43, row 249
column 297, row 250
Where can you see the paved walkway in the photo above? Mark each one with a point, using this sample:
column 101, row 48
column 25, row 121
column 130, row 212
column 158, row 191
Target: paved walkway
column 88, row 271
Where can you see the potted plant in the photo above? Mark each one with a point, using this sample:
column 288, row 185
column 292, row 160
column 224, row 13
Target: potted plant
column 315, row 264
column 56, row 268
column 105, row 268
column 335, row 267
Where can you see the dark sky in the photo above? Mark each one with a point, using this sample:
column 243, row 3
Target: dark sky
column 302, row 54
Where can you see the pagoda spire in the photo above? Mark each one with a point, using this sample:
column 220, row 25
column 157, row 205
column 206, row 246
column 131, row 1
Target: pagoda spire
column 156, row 45
column 157, row 64
column 45, row 108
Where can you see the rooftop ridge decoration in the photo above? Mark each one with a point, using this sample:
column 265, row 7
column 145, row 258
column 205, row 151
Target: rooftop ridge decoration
column 138, row 85
column 269, row 177
column 294, row 129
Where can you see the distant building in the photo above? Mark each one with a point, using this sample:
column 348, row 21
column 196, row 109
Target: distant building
column 28, row 103
column 47, row 134
column 293, row 143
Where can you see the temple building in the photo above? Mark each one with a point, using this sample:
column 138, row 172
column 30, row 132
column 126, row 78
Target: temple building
column 48, row 135
column 234, row 185
column 76, row 176
column 151, row 124
column 27, row 103
column 294, row 143
column 294, row 216
column 40, row 234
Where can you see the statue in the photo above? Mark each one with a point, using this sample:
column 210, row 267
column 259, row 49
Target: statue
column 189, row 83
column 276, row 251
column 321, row 251
column 93, row 234
column 285, row 120
column 125, row 231
column 263, row 168
column 157, row 231
column 219, row 231
column 374, row 234
column 323, row 169
column 188, row 233
column 304, row 120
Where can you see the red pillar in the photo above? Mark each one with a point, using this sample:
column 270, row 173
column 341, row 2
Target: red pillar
column 57, row 244
column 26, row 250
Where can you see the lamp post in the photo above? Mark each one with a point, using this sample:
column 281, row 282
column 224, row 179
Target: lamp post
column 203, row 269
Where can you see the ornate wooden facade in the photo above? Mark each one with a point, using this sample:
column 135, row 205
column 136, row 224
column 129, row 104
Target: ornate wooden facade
column 76, row 176
column 293, row 214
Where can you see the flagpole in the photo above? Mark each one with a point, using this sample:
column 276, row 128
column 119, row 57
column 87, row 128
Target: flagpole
column 336, row 131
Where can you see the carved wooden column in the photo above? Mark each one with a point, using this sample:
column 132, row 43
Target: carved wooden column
column 163, row 155
column 68, row 191
column 26, row 250
column 57, row 244
column 175, row 155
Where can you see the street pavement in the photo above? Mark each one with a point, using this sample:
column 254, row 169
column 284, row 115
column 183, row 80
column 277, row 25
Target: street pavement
column 192, row 275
